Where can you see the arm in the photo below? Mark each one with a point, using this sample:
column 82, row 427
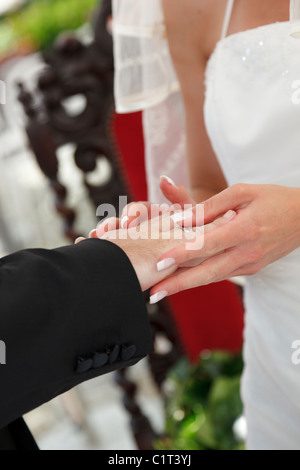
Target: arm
column 187, row 26
column 57, row 309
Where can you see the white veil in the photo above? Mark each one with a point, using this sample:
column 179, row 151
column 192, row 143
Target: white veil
column 145, row 80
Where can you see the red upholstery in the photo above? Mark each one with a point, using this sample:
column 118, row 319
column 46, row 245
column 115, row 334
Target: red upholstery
column 209, row 317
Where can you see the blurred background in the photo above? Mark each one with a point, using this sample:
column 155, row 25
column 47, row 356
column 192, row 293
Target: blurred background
column 64, row 151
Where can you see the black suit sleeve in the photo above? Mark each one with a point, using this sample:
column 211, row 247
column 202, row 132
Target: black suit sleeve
column 66, row 316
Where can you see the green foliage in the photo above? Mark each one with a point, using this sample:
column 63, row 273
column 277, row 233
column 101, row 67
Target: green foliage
column 204, row 404
column 41, row 21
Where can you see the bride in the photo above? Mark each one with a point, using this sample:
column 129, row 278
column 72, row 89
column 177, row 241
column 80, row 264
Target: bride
column 237, row 64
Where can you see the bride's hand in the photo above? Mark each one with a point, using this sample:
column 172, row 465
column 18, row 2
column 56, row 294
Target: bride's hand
column 266, row 228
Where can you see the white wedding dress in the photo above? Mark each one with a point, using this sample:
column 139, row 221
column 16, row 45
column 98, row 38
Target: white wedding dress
column 253, row 121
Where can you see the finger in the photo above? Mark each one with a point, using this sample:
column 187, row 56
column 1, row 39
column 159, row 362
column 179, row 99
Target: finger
column 209, row 241
column 209, row 228
column 191, row 216
column 196, row 217
column 132, row 211
column 93, row 233
column 175, row 193
column 160, row 228
column 247, row 270
column 109, row 225
column 235, row 197
column 213, row 270
column 193, row 263
column 78, row 240
column 126, row 208
column 138, row 212
column 220, row 221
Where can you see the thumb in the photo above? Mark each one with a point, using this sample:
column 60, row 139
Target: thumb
column 175, row 193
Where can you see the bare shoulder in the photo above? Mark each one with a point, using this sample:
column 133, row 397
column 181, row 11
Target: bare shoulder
column 193, row 26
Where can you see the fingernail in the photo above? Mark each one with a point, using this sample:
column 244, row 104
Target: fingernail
column 229, row 215
column 124, row 220
column 170, row 181
column 78, row 240
column 158, row 296
column 165, row 264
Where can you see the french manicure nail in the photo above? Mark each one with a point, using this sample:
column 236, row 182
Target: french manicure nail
column 158, row 296
column 91, row 232
column 165, row 264
column 124, row 220
column 229, row 215
column 78, row 240
column 170, row 181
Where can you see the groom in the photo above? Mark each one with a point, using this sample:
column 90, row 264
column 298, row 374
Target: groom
column 74, row 313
